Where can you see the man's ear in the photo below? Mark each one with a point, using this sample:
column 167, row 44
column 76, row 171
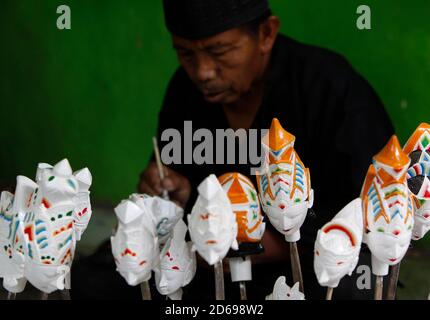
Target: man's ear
column 268, row 31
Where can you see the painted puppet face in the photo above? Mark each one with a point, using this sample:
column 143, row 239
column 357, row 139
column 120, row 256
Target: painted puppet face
column 422, row 219
column 389, row 246
column 6, row 215
column 82, row 213
column 134, row 246
column 418, row 149
column 48, row 227
column 212, row 223
column 335, row 256
column 387, row 206
column 177, row 263
column 10, row 271
column 165, row 213
column 338, row 244
column 284, row 188
column 58, row 184
column 281, row 291
column 245, row 204
column 25, row 192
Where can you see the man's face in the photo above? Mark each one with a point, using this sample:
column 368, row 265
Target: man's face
column 223, row 67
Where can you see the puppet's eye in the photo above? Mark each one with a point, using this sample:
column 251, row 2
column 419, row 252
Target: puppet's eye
column 380, row 230
column 410, row 227
column 175, row 268
column 317, row 253
column 297, row 200
column 339, row 263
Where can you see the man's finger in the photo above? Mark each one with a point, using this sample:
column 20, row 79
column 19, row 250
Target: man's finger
column 146, row 188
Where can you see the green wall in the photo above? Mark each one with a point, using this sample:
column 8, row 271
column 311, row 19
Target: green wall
column 92, row 93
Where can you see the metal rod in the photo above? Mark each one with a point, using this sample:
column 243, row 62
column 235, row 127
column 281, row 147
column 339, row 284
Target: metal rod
column 159, row 165
column 11, row 295
column 146, row 290
column 219, row 281
column 329, row 295
column 392, row 282
column 379, row 286
column 295, row 266
column 242, row 287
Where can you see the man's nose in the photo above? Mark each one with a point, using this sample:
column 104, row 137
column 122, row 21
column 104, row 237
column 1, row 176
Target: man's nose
column 206, row 69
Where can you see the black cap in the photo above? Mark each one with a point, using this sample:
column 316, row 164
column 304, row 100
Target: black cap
column 195, row 19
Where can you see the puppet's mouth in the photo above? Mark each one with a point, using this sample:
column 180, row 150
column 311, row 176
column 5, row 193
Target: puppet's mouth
column 393, row 260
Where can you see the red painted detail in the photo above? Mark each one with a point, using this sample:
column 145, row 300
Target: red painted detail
column 29, row 232
column 127, row 251
column 341, row 228
column 46, row 203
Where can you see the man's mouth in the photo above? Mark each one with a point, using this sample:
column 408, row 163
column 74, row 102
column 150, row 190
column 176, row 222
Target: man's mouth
column 213, row 96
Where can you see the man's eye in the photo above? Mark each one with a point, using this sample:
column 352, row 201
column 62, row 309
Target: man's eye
column 185, row 54
column 220, row 52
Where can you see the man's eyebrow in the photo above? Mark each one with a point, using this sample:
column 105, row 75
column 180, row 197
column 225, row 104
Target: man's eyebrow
column 218, row 46
column 179, row 47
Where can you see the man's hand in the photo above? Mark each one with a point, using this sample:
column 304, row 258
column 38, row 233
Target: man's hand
column 177, row 185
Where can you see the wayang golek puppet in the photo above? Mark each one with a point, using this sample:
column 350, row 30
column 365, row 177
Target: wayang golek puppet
column 42, row 238
column 250, row 226
column 145, row 225
column 213, row 228
column 285, row 189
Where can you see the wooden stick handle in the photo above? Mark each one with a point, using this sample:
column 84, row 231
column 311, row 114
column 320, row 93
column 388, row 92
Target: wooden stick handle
column 329, row 295
column 146, row 290
column 159, row 165
column 295, row 265
column 11, row 295
column 219, row 281
column 242, row 287
column 379, row 286
column 392, row 282
column 44, row 296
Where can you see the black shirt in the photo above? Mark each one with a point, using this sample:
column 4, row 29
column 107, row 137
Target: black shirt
column 337, row 118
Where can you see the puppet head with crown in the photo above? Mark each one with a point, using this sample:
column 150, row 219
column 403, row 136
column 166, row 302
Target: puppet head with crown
column 177, row 264
column 212, row 224
column 135, row 243
column 284, row 185
column 338, row 244
column 244, row 200
column 387, row 207
column 418, row 149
